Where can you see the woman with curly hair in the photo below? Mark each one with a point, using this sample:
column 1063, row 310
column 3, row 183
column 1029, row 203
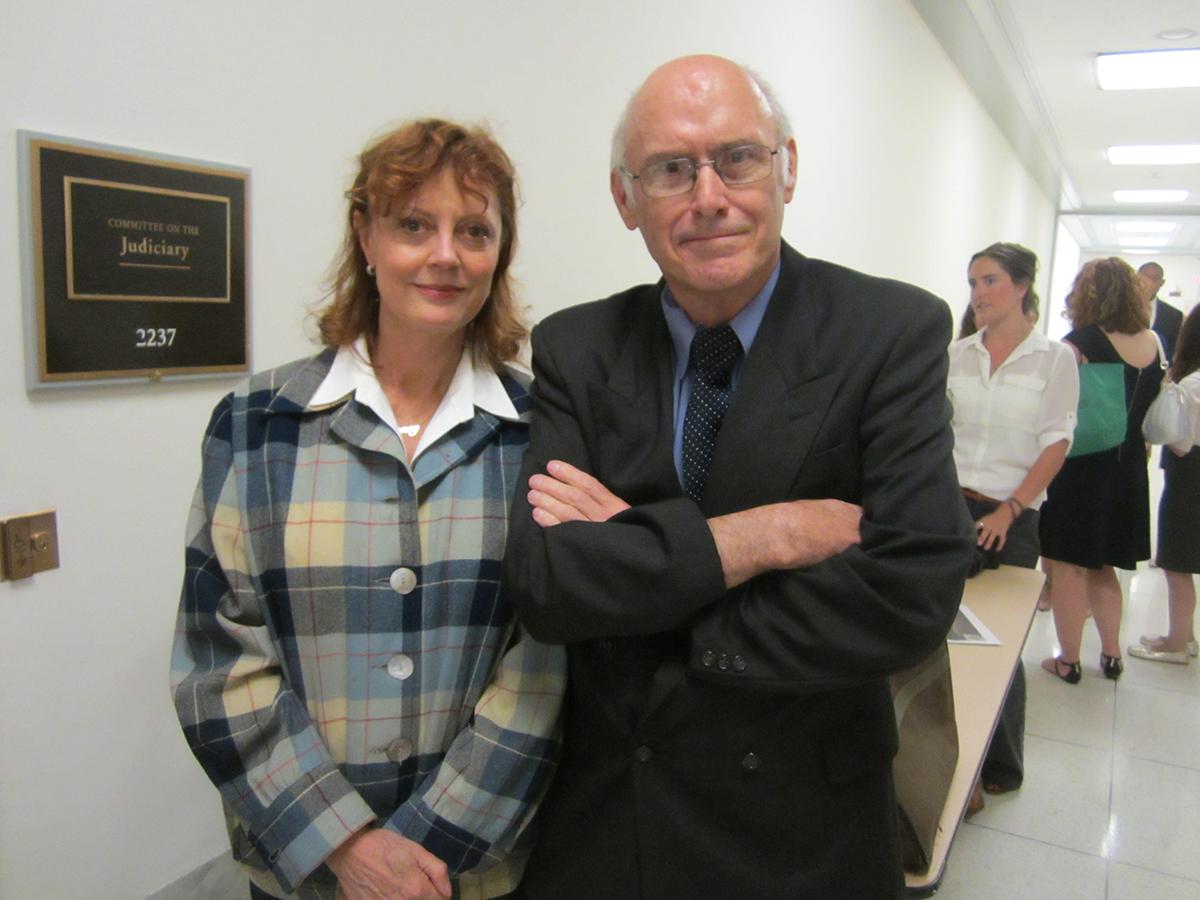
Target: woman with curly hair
column 1097, row 511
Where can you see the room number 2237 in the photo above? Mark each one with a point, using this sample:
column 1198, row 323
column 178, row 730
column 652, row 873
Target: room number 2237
column 155, row 337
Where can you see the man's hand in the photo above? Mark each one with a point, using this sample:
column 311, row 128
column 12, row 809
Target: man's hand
column 791, row 535
column 377, row 863
column 565, row 494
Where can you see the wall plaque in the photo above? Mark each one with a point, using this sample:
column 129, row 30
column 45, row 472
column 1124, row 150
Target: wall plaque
column 135, row 263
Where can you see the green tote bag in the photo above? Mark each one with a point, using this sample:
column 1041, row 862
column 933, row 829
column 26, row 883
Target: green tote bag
column 1102, row 419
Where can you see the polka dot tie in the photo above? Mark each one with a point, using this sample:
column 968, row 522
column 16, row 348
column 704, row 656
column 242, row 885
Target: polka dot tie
column 713, row 355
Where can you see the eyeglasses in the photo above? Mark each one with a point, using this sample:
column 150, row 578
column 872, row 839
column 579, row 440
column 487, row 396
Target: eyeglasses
column 743, row 164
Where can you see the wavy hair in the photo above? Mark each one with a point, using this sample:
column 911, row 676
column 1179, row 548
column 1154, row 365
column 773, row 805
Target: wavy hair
column 391, row 170
column 1106, row 293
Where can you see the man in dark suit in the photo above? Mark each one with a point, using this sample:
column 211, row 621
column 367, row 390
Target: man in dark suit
column 731, row 628
column 1165, row 319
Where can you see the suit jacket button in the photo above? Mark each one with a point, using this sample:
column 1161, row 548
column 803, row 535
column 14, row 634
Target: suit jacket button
column 723, row 663
column 739, row 664
column 643, row 754
column 751, row 762
column 605, row 645
column 707, row 658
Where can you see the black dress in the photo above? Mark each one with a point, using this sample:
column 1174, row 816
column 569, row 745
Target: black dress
column 1097, row 510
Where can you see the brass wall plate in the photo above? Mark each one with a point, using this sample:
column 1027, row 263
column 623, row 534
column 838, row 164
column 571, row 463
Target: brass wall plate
column 28, row 544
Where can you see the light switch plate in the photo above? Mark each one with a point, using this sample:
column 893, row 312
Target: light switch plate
column 28, row 544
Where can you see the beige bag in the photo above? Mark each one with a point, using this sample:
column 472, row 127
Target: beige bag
column 924, row 765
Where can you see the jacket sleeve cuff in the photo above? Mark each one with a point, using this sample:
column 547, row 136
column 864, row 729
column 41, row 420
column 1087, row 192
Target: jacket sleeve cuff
column 307, row 822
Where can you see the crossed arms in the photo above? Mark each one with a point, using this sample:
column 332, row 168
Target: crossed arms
column 790, row 535
column 857, row 573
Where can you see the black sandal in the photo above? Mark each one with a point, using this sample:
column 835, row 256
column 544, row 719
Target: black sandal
column 1055, row 666
column 1112, row 666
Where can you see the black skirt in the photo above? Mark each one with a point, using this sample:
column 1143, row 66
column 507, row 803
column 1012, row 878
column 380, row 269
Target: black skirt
column 1178, row 522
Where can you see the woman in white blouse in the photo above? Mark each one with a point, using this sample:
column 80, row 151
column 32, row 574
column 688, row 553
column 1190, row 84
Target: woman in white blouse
column 1014, row 393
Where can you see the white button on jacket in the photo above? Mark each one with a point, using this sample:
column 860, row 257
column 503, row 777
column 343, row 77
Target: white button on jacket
column 400, row 666
column 403, row 581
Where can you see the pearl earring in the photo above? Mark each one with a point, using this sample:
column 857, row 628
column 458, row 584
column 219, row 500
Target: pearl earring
column 370, row 270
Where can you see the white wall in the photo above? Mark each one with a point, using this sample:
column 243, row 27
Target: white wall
column 901, row 174
column 1066, row 266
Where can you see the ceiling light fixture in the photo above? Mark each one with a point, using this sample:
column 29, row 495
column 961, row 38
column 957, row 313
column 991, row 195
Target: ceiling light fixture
column 1148, row 69
column 1150, row 196
column 1154, row 155
column 1142, row 241
column 1147, row 227
column 1176, row 34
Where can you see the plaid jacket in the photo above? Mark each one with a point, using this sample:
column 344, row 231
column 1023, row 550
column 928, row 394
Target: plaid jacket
column 343, row 653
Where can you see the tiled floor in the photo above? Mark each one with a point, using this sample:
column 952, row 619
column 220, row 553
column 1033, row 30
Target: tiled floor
column 1110, row 809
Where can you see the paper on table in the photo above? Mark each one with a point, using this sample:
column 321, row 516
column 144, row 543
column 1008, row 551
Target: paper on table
column 969, row 629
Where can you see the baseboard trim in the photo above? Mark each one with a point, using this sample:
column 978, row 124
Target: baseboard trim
column 218, row 879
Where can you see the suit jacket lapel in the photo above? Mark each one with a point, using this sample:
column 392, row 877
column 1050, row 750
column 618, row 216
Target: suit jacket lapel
column 633, row 411
column 779, row 403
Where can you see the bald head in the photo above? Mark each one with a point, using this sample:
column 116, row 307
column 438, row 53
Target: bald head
column 693, row 79
column 716, row 241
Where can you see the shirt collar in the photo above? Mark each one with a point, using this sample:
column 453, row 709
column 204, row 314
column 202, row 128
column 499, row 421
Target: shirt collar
column 1034, row 341
column 745, row 324
column 474, row 386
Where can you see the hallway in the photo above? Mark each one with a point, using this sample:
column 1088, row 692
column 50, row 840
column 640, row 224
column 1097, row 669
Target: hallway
column 1110, row 809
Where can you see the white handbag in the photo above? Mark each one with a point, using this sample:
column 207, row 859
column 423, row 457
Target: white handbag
column 1174, row 416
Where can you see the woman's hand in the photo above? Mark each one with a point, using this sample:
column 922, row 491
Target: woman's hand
column 377, row 863
column 993, row 528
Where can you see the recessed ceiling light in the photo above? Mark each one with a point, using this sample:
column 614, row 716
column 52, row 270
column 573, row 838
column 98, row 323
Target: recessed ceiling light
column 1142, row 241
column 1148, row 69
column 1176, row 34
column 1132, row 252
column 1147, row 227
column 1150, row 196
column 1154, row 155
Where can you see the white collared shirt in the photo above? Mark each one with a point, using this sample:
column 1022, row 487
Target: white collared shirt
column 472, row 387
column 1004, row 420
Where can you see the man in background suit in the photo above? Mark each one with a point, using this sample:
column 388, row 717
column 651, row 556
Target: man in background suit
column 1165, row 319
column 731, row 627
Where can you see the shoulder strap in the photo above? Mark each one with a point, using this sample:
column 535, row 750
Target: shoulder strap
column 1163, row 362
